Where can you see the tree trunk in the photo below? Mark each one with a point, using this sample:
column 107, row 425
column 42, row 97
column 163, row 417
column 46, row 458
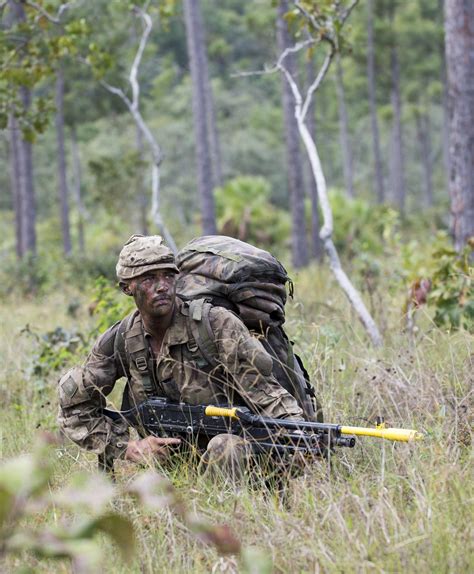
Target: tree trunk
column 397, row 163
column 28, row 202
column 15, row 162
column 424, row 141
column 214, row 143
column 344, row 129
column 444, row 83
column 379, row 183
column 81, row 212
column 294, row 164
column 459, row 35
column 62, row 169
column 316, row 244
column 326, row 236
column 196, row 55
column 25, row 182
column 141, row 192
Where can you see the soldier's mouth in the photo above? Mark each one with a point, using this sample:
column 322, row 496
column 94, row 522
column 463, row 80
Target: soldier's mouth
column 160, row 300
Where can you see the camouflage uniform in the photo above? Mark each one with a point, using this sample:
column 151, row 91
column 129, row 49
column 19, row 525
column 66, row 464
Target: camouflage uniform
column 243, row 373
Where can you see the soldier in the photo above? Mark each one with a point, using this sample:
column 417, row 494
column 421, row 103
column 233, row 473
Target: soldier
column 157, row 349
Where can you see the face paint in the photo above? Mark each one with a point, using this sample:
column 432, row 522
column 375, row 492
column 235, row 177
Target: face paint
column 154, row 293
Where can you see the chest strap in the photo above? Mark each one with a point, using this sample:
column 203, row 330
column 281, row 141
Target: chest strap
column 137, row 350
column 201, row 330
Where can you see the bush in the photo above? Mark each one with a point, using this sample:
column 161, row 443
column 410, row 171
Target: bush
column 360, row 227
column 244, row 211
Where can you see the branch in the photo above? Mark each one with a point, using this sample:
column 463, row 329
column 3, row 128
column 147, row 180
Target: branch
column 134, row 109
column 307, row 15
column 118, row 92
column 317, row 82
column 138, row 57
column 347, row 13
column 314, row 23
column 42, row 12
column 292, row 50
column 294, row 88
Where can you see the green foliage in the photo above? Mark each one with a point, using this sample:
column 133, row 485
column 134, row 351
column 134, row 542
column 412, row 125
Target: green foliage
column 360, row 227
column 452, row 294
column 55, row 350
column 117, row 179
column 322, row 19
column 244, row 211
column 450, row 275
column 24, row 492
column 31, row 49
column 44, row 273
column 26, row 277
column 25, row 495
column 109, row 304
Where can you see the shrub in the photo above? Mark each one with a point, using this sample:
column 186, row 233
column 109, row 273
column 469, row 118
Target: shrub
column 244, row 211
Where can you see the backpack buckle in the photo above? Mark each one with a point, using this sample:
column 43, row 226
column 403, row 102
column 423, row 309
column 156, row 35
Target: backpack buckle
column 141, row 363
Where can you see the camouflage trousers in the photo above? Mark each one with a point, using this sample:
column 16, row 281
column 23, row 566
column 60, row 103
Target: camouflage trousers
column 226, row 456
column 231, row 458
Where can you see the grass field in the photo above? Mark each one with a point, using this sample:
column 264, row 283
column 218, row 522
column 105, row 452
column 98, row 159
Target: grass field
column 382, row 507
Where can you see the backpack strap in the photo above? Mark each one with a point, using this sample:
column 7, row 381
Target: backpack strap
column 131, row 349
column 201, row 330
column 119, row 343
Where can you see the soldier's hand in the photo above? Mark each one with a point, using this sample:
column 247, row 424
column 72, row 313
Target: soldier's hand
column 151, row 446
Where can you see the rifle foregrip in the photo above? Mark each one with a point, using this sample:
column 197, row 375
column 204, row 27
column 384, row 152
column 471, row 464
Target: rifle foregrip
column 221, row 412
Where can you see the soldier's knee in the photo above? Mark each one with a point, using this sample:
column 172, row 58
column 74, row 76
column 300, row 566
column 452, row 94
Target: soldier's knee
column 226, row 446
column 227, row 453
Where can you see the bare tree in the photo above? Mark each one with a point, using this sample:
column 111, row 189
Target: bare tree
column 77, row 187
column 397, row 163
column 424, row 140
column 15, row 162
column 445, row 106
column 379, row 183
column 201, row 113
column 24, row 154
column 459, row 35
column 294, row 166
column 325, row 32
column 133, row 106
column 316, row 244
column 62, row 170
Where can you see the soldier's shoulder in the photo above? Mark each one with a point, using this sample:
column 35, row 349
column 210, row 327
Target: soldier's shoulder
column 105, row 344
column 222, row 317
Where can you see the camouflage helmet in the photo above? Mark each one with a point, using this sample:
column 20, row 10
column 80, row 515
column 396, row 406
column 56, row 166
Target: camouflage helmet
column 142, row 254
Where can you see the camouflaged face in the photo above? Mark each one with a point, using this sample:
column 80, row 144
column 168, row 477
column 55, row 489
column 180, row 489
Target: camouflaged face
column 142, row 254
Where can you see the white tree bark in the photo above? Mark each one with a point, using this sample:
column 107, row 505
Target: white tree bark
column 134, row 108
column 301, row 109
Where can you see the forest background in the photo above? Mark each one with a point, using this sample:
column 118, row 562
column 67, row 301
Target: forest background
column 77, row 181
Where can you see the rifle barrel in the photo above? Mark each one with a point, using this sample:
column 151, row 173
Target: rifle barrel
column 402, row 435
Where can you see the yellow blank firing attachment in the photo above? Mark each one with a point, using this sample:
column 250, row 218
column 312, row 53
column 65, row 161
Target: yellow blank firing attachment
column 403, row 435
column 221, row 412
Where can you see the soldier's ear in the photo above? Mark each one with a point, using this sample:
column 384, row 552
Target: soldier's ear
column 125, row 288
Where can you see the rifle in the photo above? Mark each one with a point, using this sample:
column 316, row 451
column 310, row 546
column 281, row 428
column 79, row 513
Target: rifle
column 160, row 417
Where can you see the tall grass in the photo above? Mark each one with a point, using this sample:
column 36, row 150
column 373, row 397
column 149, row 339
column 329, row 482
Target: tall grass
column 379, row 507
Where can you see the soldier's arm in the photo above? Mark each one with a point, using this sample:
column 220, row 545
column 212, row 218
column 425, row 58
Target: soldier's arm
column 82, row 392
column 250, row 366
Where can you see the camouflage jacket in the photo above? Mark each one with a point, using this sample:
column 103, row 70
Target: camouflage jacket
column 243, row 373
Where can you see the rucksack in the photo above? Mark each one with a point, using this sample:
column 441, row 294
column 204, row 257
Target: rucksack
column 252, row 283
